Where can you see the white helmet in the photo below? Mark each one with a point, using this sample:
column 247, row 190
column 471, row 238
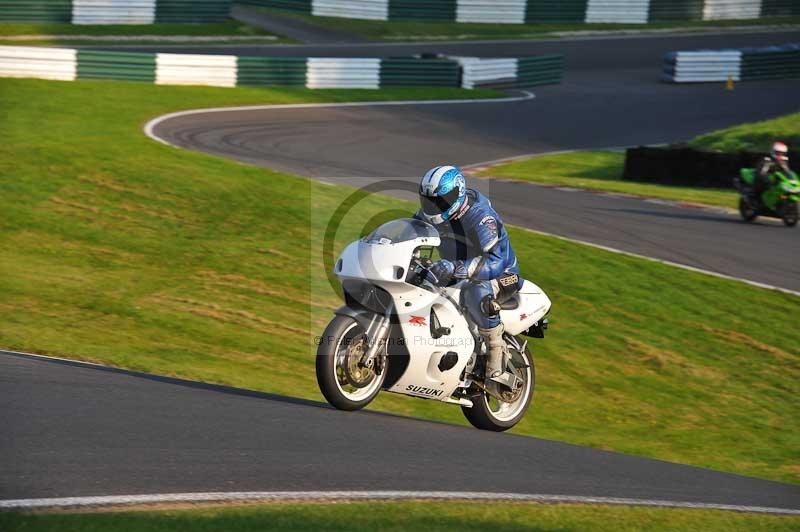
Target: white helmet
column 442, row 194
column 780, row 152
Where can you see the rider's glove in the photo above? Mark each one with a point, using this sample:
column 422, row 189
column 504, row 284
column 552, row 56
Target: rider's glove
column 443, row 271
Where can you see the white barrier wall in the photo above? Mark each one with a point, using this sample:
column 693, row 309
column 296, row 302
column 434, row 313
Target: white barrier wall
column 731, row 9
column 618, row 11
column 113, row 11
column 38, row 62
column 361, row 9
column 466, row 11
column 487, row 11
column 514, row 11
column 193, row 69
column 343, row 73
column 312, row 72
column 708, row 66
column 476, row 70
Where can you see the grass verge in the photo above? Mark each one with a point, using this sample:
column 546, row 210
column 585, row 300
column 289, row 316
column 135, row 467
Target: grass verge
column 397, row 30
column 756, row 136
column 601, row 170
column 478, row 516
column 57, row 33
column 181, row 263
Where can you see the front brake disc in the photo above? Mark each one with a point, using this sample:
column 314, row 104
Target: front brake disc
column 357, row 375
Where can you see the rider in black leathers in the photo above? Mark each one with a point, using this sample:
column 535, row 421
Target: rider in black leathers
column 778, row 160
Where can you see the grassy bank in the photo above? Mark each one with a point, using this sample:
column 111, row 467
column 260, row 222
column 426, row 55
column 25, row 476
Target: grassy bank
column 756, row 136
column 400, row 516
column 398, row 30
column 181, row 263
column 58, row 33
column 601, row 170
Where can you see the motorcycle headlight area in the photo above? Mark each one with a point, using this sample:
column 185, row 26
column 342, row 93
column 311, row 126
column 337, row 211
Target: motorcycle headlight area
column 366, row 295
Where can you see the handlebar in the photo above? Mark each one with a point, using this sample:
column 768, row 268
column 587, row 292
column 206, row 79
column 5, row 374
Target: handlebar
column 420, row 273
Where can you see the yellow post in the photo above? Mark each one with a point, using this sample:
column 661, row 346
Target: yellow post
column 729, row 83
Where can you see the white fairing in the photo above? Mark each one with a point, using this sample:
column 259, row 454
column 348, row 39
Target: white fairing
column 385, row 263
column 533, row 306
column 423, row 377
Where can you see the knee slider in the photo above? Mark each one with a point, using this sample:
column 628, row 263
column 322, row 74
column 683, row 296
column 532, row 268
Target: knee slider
column 489, row 306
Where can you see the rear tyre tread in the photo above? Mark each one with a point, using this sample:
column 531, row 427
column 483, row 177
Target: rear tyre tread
column 747, row 212
column 480, row 417
column 790, row 215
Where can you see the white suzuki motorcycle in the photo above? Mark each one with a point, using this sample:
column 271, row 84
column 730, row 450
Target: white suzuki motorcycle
column 401, row 333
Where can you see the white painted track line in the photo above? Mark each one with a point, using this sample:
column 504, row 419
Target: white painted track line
column 299, row 496
column 667, row 262
column 151, row 125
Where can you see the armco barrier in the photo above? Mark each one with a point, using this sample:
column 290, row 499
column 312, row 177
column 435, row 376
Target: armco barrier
column 746, row 64
column 556, row 11
column 271, row 71
column 621, row 11
column 32, row 62
column 684, row 166
column 347, row 73
column 175, row 11
column 35, row 10
column 311, row 72
column 403, row 71
column 541, row 70
column 491, row 11
column 478, row 11
column 776, row 62
column 442, row 10
column 511, row 72
column 115, row 65
column 538, row 11
column 114, row 11
column 196, row 69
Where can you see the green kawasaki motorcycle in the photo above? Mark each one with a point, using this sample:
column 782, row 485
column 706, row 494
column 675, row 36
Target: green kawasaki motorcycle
column 778, row 201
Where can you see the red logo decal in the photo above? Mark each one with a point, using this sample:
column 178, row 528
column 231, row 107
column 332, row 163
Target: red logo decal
column 522, row 317
column 419, row 321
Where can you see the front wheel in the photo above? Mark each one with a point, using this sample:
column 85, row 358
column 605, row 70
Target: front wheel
column 344, row 382
column 789, row 216
column 489, row 413
column 746, row 210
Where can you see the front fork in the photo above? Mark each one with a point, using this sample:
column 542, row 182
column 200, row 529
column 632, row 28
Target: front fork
column 377, row 332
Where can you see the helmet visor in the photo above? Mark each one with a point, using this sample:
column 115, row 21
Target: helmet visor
column 439, row 204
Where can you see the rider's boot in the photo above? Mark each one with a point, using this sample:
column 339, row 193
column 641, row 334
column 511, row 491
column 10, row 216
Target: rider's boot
column 495, row 351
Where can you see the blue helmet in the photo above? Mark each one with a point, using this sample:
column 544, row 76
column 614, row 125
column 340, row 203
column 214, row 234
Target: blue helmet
column 442, row 194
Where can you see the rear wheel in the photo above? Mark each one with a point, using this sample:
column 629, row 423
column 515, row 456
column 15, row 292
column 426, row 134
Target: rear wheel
column 789, row 216
column 344, row 382
column 489, row 413
column 746, row 210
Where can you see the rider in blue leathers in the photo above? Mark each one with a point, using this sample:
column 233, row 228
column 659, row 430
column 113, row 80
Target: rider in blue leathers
column 474, row 246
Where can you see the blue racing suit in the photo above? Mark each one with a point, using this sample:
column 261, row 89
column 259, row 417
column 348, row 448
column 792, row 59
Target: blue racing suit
column 476, row 241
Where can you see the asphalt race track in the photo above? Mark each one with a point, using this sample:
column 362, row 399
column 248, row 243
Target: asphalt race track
column 643, row 52
column 611, row 98
column 94, row 431
column 79, row 430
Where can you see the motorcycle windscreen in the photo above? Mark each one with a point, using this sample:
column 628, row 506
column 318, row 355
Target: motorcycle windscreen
column 401, row 230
